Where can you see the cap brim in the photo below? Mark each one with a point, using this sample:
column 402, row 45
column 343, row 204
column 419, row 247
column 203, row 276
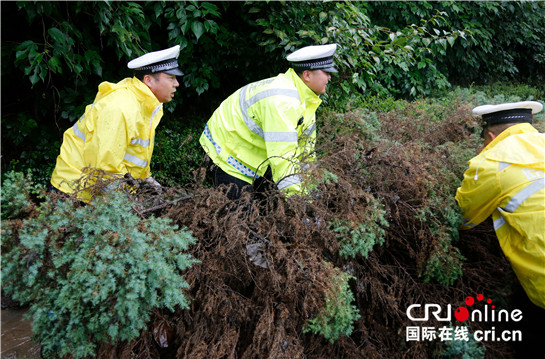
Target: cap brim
column 175, row 72
column 329, row 69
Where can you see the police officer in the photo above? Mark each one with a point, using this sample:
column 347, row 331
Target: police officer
column 269, row 126
column 116, row 132
column 506, row 180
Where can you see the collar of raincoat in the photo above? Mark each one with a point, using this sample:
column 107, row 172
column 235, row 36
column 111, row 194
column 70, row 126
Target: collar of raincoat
column 513, row 130
column 307, row 95
column 143, row 93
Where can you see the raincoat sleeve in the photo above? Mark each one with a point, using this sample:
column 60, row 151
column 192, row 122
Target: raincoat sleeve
column 479, row 194
column 282, row 144
column 108, row 145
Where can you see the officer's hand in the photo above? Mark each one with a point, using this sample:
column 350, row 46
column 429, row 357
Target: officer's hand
column 152, row 184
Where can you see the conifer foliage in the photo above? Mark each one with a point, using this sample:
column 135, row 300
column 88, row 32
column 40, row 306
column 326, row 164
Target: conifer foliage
column 93, row 273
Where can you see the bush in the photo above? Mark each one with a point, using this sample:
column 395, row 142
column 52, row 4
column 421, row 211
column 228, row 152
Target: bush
column 445, row 263
column 94, row 273
column 361, row 237
column 503, row 39
column 176, row 155
column 17, row 190
column 403, row 158
column 503, row 92
column 470, row 349
column 339, row 314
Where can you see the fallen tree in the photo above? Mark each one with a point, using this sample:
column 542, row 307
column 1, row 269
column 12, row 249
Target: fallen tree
column 376, row 234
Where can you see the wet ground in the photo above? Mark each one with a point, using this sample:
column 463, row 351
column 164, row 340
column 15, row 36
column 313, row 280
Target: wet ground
column 16, row 333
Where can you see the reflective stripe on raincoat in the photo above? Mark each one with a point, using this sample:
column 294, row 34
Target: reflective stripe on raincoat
column 506, row 180
column 115, row 134
column 266, row 123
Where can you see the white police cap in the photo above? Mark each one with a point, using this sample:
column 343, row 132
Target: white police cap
column 513, row 112
column 158, row 61
column 315, row 57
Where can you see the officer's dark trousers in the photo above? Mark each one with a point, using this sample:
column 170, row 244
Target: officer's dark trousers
column 238, row 186
column 532, row 327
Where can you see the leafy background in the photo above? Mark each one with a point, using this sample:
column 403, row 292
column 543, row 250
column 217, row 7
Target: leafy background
column 53, row 63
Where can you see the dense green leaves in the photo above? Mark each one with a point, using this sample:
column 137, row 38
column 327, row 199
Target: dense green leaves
column 52, row 66
column 379, row 60
column 374, row 37
column 503, row 39
column 177, row 154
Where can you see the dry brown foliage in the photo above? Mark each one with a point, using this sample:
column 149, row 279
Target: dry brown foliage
column 240, row 310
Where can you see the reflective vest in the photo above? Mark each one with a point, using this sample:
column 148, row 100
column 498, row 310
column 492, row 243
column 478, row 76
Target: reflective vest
column 266, row 123
column 506, row 180
column 115, row 134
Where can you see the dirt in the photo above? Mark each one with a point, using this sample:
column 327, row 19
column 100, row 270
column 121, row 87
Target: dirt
column 16, row 336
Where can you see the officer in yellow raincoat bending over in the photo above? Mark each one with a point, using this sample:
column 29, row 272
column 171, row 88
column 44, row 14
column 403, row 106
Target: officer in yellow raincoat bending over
column 506, row 180
column 116, row 132
column 270, row 124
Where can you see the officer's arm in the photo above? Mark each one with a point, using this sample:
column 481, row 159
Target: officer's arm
column 479, row 194
column 281, row 142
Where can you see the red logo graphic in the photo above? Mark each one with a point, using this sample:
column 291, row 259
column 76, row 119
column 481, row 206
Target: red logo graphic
column 461, row 313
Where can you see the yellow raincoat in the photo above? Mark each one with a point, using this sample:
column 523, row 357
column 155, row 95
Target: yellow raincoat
column 266, row 123
column 506, row 180
column 115, row 134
